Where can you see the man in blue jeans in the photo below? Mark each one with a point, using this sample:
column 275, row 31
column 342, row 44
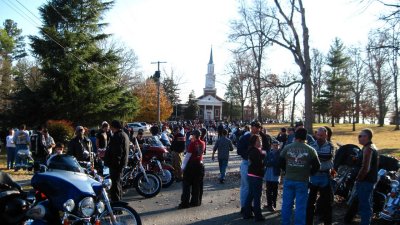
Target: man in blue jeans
column 367, row 176
column 223, row 145
column 299, row 161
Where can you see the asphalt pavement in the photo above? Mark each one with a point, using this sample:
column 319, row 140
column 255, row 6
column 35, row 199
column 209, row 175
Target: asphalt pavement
column 220, row 205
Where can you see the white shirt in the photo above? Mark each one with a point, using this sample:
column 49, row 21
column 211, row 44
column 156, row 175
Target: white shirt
column 10, row 141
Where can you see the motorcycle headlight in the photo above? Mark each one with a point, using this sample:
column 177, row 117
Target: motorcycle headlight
column 86, row 206
column 69, row 205
column 107, row 184
column 100, row 207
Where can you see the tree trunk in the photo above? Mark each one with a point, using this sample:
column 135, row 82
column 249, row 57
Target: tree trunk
column 396, row 105
column 242, row 109
column 381, row 106
column 258, row 93
column 396, row 101
column 295, row 93
column 357, row 116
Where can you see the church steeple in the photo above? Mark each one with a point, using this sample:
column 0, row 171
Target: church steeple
column 211, row 58
column 210, row 77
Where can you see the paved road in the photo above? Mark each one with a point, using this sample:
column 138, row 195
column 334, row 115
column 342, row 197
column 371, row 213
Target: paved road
column 221, row 204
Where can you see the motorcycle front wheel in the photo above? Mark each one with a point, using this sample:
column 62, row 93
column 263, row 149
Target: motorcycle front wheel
column 124, row 215
column 167, row 179
column 147, row 189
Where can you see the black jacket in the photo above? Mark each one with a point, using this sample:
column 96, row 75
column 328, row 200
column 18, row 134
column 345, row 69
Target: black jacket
column 266, row 141
column 178, row 143
column 77, row 146
column 116, row 156
column 256, row 166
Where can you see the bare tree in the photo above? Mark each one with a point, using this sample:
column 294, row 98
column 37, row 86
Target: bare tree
column 293, row 34
column 252, row 31
column 296, row 91
column 377, row 57
column 358, row 76
column 241, row 70
column 317, row 62
column 394, row 38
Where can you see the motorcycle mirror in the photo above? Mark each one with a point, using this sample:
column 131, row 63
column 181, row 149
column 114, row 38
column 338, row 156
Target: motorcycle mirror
column 43, row 168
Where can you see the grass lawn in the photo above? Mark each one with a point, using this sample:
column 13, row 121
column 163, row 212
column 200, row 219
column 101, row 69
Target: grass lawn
column 385, row 138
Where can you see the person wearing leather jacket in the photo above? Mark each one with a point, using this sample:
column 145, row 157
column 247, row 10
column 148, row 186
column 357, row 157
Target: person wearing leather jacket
column 80, row 146
column 116, row 158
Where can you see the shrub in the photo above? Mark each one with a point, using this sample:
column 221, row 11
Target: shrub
column 61, row 130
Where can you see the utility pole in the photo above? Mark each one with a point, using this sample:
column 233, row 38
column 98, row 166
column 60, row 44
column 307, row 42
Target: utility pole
column 157, row 75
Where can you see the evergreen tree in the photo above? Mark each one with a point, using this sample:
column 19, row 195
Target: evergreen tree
column 80, row 81
column 192, row 110
column 12, row 47
column 14, row 32
column 337, row 90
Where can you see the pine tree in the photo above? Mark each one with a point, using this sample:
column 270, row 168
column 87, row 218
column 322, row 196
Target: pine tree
column 338, row 88
column 80, row 78
column 192, row 110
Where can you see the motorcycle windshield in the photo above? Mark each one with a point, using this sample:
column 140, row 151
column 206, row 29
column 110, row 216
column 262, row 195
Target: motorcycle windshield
column 59, row 186
column 64, row 162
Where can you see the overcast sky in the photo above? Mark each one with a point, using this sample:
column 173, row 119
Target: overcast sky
column 181, row 32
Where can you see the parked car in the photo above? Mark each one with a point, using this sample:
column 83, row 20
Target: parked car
column 145, row 124
column 136, row 127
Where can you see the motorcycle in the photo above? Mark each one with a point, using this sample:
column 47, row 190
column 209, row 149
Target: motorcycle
column 146, row 183
column 24, row 160
column 345, row 163
column 154, row 160
column 13, row 201
column 381, row 189
column 391, row 210
column 66, row 194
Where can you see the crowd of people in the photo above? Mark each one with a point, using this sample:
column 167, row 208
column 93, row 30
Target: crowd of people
column 302, row 161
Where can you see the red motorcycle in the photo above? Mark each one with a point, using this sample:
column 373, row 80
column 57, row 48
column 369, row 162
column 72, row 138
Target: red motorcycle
column 155, row 157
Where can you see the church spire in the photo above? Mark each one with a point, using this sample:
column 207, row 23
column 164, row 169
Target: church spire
column 211, row 58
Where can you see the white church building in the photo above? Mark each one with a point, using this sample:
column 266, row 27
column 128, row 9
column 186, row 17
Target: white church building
column 209, row 103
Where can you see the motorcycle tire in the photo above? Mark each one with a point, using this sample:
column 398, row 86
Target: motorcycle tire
column 168, row 178
column 150, row 189
column 351, row 211
column 123, row 214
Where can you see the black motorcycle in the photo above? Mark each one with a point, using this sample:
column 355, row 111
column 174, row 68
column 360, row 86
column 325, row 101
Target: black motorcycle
column 14, row 201
column 381, row 189
column 346, row 165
